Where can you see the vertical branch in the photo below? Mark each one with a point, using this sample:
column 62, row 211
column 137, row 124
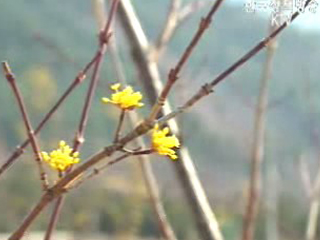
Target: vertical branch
column 35, row 147
column 206, row 222
column 272, row 190
column 313, row 219
column 174, row 72
column 167, row 31
column 257, row 154
column 144, row 160
column 313, row 216
column 177, row 15
column 104, row 37
column 312, row 188
column 118, row 129
column 146, row 167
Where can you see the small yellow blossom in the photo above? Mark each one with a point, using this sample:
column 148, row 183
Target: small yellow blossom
column 163, row 144
column 62, row 158
column 126, row 99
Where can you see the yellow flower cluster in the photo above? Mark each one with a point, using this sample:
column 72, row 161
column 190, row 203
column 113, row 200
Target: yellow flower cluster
column 126, row 99
column 163, row 144
column 62, row 158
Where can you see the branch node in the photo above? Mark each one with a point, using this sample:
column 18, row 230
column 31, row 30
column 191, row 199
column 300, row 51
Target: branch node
column 173, row 75
column 7, row 71
column 80, row 139
column 104, row 38
column 204, row 23
column 81, row 76
column 206, row 89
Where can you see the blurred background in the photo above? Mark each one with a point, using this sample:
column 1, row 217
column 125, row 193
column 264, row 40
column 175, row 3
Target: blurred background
column 48, row 42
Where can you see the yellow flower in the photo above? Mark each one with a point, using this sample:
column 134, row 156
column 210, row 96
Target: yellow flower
column 163, row 144
column 62, row 158
column 126, row 99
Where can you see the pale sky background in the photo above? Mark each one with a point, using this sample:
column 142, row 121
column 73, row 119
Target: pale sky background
column 306, row 21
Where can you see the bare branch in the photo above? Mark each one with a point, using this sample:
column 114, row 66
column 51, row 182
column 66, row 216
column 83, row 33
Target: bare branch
column 173, row 74
column 206, row 89
column 20, row 149
column 257, row 154
column 34, row 143
column 167, row 31
column 118, row 129
column 190, row 9
column 305, row 176
column 104, row 37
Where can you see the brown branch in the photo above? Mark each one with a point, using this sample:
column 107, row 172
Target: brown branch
column 35, row 146
column 104, row 37
column 59, row 188
column 79, row 138
column 44, row 201
column 207, row 88
column 97, row 171
column 20, row 149
column 173, row 74
column 257, row 153
column 120, row 123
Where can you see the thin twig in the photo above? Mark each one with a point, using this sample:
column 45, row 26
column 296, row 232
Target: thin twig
column 207, row 88
column 173, row 74
column 176, row 17
column 104, row 37
column 167, row 31
column 97, row 171
column 20, row 149
column 258, row 140
column 35, row 146
column 191, row 8
column 120, row 123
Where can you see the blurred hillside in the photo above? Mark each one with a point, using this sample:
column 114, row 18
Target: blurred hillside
column 47, row 43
